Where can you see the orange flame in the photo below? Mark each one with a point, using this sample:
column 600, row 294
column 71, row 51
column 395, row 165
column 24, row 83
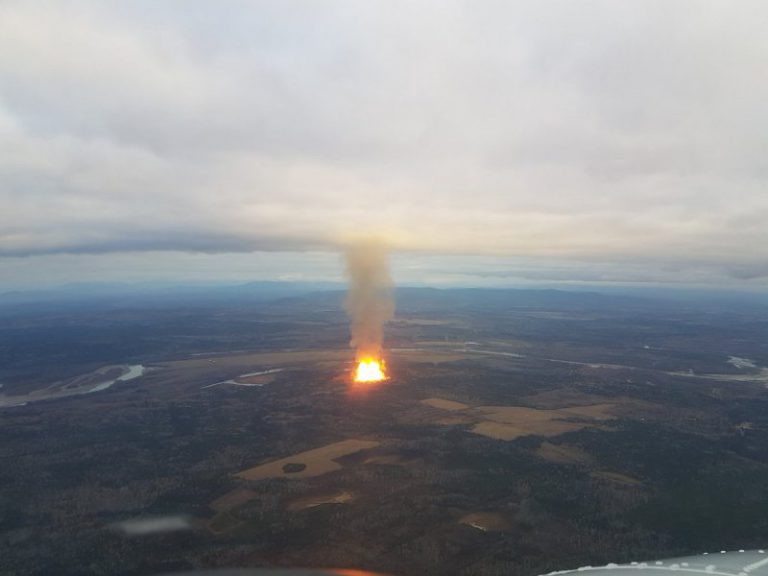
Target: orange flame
column 370, row 370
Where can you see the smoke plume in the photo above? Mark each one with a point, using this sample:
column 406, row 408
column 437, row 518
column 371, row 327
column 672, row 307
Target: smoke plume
column 370, row 302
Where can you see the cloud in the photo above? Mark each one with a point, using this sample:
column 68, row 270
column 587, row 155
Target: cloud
column 592, row 132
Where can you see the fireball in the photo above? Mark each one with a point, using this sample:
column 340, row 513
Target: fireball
column 370, row 370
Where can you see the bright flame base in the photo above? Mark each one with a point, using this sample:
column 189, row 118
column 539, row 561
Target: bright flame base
column 370, row 370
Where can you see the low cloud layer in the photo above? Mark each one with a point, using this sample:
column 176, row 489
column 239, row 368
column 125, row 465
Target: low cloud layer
column 604, row 133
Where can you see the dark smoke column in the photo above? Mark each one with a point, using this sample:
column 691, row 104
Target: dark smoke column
column 370, row 301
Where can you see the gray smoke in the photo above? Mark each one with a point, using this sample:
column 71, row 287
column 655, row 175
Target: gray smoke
column 370, row 301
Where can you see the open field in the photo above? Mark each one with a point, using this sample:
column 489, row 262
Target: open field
column 316, row 462
column 569, row 424
column 275, row 362
column 525, row 416
column 313, row 501
column 563, row 453
column 486, row 521
column 443, row 404
column 511, row 422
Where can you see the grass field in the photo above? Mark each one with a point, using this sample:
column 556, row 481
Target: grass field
column 443, row 404
column 313, row 501
column 318, row 461
column 510, row 422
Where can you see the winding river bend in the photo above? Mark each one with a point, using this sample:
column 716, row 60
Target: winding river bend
column 73, row 388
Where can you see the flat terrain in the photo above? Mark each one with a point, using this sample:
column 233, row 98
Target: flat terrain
column 444, row 404
column 520, row 432
column 313, row 501
column 486, row 521
column 510, row 422
column 96, row 381
column 233, row 499
column 563, row 453
column 313, row 462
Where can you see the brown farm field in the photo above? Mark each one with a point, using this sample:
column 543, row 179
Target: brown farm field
column 563, row 453
column 316, row 462
column 444, row 404
column 486, row 521
column 511, row 422
column 313, row 501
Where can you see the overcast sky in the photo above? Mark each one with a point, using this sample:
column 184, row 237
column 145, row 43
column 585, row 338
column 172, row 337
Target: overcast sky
column 570, row 141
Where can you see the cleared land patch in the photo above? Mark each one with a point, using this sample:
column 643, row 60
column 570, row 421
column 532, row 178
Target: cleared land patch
column 444, row 404
column 485, row 521
column 563, row 453
column 510, row 422
column 522, row 415
column 317, row 461
column 313, row 501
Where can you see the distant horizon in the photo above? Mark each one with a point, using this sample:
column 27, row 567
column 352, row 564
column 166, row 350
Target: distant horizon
column 138, row 287
column 41, row 272
column 484, row 143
